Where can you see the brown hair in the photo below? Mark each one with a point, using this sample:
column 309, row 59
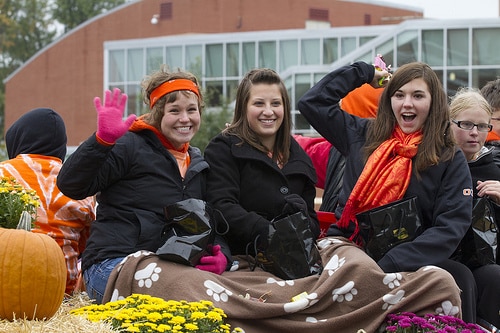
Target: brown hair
column 437, row 143
column 151, row 82
column 491, row 92
column 240, row 127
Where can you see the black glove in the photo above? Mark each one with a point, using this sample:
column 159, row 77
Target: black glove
column 294, row 203
column 262, row 238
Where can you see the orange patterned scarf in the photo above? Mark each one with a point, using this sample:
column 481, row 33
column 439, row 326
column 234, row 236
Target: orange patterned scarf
column 384, row 179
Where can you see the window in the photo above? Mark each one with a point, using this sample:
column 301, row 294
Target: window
column 458, row 47
column 432, row 47
column 213, row 93
column 485, row 46
column 407, row 47
column 166, row 11
column 330, row 50
column 348, row 44
column 174, row 57
column 317, row 14
column 248, row 56
column 193, row 59
column 213, row 60
column 457, row 79
column 267, row 54
column 232, row 59
column 310, row 52
column 289, row 54
column 135, row 61
column 154, row 59
column 116, row 68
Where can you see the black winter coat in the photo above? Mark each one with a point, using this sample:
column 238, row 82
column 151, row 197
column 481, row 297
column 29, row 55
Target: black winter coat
column 250, row 189
column 444, row 190
column 133, row 179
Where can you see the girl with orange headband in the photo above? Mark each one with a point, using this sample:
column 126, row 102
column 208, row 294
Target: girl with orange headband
column 137, row 166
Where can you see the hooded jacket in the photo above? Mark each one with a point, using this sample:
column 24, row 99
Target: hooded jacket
column 36, row 144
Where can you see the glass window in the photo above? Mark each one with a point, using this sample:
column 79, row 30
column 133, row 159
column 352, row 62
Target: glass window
column 365, row 39
column 456, row 79
column 432, row 47
column 318, row 76
column 154, row 59
column 302, row 85
column 213, row 60
column 135, row 103
column 348, row 44
column 116, row 68
column 232, row 59
column 135, row 63
column 289, row 54
column 267, row 54
column 248, row 56
column 407, row 47
column 367, row 57
column 387, row 51
column 481, row 76
column 310, row 52
column 193, row 59
column 330, row 50
column 485, row 46
column 213, row 93
column 174, row 57
column 231, row 87
column 458, row 47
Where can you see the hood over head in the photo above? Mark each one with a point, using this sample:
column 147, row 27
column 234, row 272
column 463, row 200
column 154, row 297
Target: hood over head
column 40, row 131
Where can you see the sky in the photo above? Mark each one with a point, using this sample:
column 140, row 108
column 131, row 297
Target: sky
column 457, row 9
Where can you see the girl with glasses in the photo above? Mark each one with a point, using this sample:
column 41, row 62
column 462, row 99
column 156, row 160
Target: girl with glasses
column 471, row 114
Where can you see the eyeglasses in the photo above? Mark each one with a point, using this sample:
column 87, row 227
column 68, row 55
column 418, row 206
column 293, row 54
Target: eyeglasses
column 469, row 125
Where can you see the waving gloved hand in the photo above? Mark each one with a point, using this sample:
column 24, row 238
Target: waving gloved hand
column 215, row 263
column 110, row 123
column 294, row 203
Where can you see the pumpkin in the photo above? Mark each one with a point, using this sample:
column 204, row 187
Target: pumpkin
column 32, row 273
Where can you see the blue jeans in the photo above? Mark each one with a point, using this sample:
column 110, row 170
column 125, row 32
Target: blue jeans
column 96, row 277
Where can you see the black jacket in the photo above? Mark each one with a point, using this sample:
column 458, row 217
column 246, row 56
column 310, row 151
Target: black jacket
column 250, row 189
column 443, row 191
column 133, row 179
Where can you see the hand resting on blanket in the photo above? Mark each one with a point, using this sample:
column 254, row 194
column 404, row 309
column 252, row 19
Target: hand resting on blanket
column 215, row 263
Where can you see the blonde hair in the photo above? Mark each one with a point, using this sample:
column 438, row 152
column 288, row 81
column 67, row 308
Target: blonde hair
column 465, row 98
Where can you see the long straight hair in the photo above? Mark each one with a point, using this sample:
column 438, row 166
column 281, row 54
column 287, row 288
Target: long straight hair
column 437, row 143
column 240, row 126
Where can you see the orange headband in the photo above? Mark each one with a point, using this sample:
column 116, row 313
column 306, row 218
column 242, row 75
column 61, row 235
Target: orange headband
column 169, row 86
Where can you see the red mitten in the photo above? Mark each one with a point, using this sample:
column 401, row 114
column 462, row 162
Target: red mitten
column 216, row 263
column 110, row 123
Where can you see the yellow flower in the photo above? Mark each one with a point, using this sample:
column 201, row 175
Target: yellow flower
column 144, row 313
column 14, row 199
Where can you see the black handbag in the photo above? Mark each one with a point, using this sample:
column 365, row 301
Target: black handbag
column 190, row 230
column 387, row 226
column 479, row 246
column 291, row 252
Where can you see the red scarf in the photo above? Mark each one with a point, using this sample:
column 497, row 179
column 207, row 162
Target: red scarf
column 384, row 179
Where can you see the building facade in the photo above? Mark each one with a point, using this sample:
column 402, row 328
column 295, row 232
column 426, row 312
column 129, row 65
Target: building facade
column 70, row 72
